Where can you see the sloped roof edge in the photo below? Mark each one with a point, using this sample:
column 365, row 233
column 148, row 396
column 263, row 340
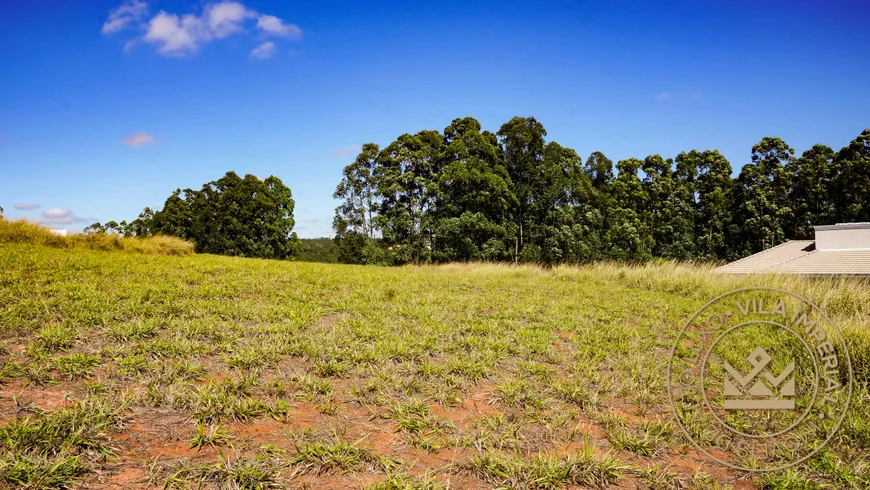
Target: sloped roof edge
column 800, row 257
column 799, row 250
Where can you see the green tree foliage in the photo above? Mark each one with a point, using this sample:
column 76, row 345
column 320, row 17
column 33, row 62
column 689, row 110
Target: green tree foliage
column 246, row 216
column 670, row 213
column 762, row 209
column 318, row 250
column 407, row 188
column 851, row 180
column 712, row 190
column 357, row 189
column 628, row 236
column 600, row 170
column 474, row 198
column 522, row 142
column 810, row 197
column 565, row 220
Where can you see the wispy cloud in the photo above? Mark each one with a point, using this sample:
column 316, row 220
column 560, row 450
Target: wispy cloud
column 138, row 139
column 25, row 206
column 181, row 35
column 310, row 221
column 263, row 51
column 276, row 27
column 346, row 151
column 129, row 13
column 60, row 216
column 662, row 95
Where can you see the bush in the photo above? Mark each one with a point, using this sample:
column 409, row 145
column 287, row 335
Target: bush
column 21, row 231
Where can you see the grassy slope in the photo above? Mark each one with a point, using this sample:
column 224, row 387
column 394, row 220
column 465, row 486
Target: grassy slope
column 476, row 374
column 21, row 231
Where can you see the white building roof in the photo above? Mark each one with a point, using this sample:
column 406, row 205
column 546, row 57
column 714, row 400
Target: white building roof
column 839, row 250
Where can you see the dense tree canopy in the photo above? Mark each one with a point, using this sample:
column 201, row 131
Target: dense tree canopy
column 468, row 194
column 248, row 217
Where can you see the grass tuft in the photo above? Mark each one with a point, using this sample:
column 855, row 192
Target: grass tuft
column 546, row 472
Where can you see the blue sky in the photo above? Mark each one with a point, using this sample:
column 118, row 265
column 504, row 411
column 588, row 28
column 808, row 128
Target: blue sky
column 106, row 107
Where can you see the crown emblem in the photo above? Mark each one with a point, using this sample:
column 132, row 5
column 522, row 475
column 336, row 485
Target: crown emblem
column 746, row 392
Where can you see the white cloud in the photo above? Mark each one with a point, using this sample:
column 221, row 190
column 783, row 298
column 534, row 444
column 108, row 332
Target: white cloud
column 177, row 37
column 124, row 16
column 180, row 35
column 26, row 206
column 662, row 96
column 60, row 216
column 346, row 151
column 275, row 26
column 225, row 18
column 310, row 221
column 139, row 139
column 265, row 50
column 57, row 213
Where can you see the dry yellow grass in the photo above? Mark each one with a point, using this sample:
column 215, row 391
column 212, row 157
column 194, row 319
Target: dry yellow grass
column 21, row 231
column 845, row 300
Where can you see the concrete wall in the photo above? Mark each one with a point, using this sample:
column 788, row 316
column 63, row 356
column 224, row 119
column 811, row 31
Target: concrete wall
column 843, row 237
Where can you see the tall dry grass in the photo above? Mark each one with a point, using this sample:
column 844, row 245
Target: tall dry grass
column 21, row 231
column 846, row 301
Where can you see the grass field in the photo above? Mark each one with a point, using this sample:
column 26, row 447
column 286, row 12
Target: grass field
column 128, row 370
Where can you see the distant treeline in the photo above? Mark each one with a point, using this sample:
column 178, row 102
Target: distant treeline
column 465, row 194
column 318, row 250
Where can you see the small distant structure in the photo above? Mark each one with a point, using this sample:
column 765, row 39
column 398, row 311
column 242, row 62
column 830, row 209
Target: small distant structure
column 58, row 231
column 839, row 250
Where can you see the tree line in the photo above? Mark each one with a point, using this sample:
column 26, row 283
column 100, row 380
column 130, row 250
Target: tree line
column 248, row 217
column 469, row 194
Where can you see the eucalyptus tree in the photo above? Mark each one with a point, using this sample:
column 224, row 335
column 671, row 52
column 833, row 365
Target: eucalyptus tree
column 670, row 214
column 522, row 143
column 475, row 195
column 406, row 177
column 810, row 192
column 358, row 191
column 851, row 180
column 762, row 209
column 707, row 176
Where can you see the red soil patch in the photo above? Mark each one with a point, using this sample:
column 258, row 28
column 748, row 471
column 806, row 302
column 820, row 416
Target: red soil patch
column 628, row 414
column 593, row 430
column 126, row 477
column 159, row 437
column 45, row 398
column 262, row 431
